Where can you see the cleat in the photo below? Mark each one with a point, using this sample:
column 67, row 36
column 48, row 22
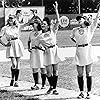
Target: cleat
column 81, row 95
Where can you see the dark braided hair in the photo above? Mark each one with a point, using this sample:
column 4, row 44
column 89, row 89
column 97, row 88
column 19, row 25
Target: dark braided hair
column 48, row 22
column 86, row 22
column 38, row 23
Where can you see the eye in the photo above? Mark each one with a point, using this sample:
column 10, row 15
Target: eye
column 43, row 24
column 10, row 20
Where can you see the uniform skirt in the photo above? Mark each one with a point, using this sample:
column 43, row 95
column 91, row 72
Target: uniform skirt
column 84, row 55
column 16, row 49
column 36, row 59
column 51, row 56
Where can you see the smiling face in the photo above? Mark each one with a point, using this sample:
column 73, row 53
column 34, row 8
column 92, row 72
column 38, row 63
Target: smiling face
column 45, row 26
column 10, row 21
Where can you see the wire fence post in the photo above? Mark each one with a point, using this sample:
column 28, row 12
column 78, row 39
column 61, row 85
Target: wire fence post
column 79, row 8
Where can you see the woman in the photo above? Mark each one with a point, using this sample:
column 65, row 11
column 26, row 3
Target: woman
column 36, row 54
column 14, row 47
column 18, row 16
column 51, row 59
column 82, row 36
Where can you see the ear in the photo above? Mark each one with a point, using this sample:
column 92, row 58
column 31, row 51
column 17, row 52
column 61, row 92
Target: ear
column 48, row 26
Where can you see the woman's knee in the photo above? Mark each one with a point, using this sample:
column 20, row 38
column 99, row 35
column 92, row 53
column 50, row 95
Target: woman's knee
column 80, row 70
column 49, row 73
column 43, row 70
column 80, row 74
column 55, row 72
column 18, row 63
column 13, row 66
column 88, row 74
column 89, row 70
column 13, row 61
column 34, row 70
column 49, row 70
column 55, row 69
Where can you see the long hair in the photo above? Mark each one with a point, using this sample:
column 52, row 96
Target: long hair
column 38, row 23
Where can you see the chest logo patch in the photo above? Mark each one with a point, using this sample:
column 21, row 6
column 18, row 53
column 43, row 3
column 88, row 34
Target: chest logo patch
column 81, row 31
column 46, row 35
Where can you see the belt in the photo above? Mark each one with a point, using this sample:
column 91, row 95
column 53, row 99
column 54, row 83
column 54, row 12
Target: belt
column 37, row 47
column 51, row 46
column 83, row 45
column 34, row 48
column 14, row 38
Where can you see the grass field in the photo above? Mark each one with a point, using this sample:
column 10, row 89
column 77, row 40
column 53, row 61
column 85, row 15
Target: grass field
column 67, row 75
column 67, row 70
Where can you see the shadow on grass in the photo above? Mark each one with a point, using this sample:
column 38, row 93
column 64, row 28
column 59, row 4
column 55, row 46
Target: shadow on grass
column 11, row 95
column 4, row 88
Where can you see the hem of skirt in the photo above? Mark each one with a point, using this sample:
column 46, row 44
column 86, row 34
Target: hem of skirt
column 14, row 57
column 36, row 67
column 85, row 64
column 51, row 64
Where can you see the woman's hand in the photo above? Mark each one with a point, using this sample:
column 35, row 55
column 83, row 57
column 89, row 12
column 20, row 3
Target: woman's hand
column 55, row 5
column 9, row 37
column 30, row 50
column 8, row 44
column 57, row 14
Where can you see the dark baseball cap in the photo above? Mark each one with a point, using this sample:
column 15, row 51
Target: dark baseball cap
column 79, row 17
column 11, row 16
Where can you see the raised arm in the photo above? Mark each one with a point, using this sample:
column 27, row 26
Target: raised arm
column 57, row 14
column 56, row 10
column 94, row 23
column 72, row 36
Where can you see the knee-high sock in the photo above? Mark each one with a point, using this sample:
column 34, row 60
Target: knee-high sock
column 50, row 80
column 35, row 76
column 43, row 76
column 89, row 83
column 12, row 73
column 16, row 74
column 81, row 83
column 55, row 79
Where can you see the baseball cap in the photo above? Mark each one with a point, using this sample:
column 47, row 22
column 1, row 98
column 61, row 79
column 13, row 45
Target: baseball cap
column 79, row 17
column 11, row 16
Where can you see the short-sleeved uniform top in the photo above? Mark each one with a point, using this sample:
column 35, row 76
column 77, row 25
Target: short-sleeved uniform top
column 51, row 55
column 16, row 49
column 84, row 55
column 36, row 56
